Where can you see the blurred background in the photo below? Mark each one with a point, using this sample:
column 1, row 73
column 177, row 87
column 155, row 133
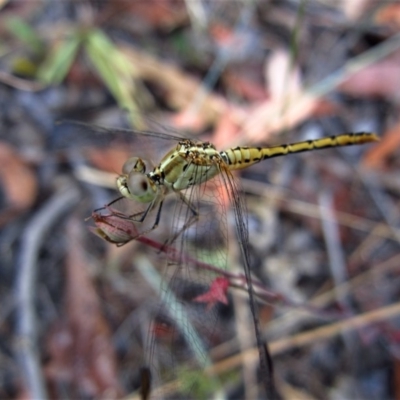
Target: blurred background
column 323, row 226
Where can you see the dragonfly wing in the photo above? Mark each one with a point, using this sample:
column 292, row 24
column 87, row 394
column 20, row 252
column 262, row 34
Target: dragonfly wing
column 123, row 132
column 241, row 222
column 190, row 312
column 195, row 284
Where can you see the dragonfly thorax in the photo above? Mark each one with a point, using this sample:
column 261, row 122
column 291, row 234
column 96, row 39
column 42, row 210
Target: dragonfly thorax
column 189, row 164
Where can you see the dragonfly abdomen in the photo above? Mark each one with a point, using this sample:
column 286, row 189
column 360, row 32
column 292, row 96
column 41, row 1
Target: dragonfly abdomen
column 243, row 157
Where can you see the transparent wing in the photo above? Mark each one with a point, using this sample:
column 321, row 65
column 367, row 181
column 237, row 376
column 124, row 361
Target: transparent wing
column 189, row 321
column 105, row 149
column 238, row 205
column 193, row 293
column 122, row 132
column 79, row 135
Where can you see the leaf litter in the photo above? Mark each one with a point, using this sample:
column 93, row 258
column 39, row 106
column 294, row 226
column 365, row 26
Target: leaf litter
column 95, row 304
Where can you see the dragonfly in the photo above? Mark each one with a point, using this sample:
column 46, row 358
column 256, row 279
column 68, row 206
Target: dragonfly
column 185, row 171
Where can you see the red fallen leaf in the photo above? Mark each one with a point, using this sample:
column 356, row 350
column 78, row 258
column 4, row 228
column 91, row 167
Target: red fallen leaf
column 216, row 293
column 113, row 228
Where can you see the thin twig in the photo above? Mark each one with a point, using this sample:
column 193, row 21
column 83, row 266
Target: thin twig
column 21, row 84
column 313, row 336
column 310, row 210
column 296, row 341
column 337, row 261
column 26, row 326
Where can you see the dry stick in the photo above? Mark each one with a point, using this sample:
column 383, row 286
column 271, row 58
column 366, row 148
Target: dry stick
column 21, row 84
column 337, row 260
column 299, row 340
column 244, row 335
column 386, row 208
column 330, row 230
column 365, row 249
column 303, row 338
column 292, row 110
column 238, row 281
column 294, row 317
column 355, row 65
column 326, row 298
column 25, row 288
column 311, row 337
column 311, row 210
column 111, row 228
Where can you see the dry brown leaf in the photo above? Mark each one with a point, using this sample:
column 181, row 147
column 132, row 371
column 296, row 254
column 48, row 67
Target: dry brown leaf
column 283, row 78
column 271, row 117
column 18, row 180
column 377, row 156
column 354, row 9
column 287, row 106
column 222, row 34
column 111, row 159
column 242, row 83
column 158, row 14
column 3, row 3
column 226, row 131
column 91, row 335
column 59, row 344
column 189, row 119
column 81, row 350
column 179, row 87
column 389, row 14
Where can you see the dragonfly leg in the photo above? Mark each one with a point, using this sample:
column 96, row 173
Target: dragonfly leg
column 123, row 216
column 144, row 214
column 113, row 212
column 156, row 222
column 107, row 206
column 141, row 216
column 145, row 387
column 132, row 217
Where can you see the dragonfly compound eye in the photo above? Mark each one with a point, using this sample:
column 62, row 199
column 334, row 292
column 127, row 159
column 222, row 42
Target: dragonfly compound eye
column 134, row 164
column 141, row 187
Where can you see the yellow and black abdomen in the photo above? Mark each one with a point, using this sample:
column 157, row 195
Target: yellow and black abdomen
column 243, row 157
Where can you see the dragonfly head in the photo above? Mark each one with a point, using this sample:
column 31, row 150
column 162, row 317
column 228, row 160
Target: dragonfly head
column 134, row 184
